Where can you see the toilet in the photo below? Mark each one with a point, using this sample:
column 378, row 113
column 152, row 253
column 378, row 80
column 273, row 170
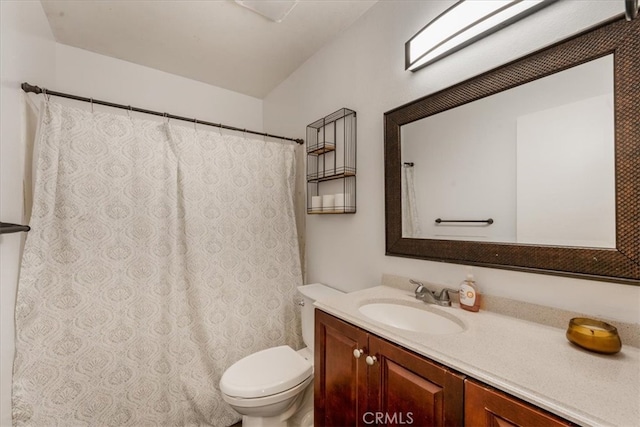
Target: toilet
column 274, row 387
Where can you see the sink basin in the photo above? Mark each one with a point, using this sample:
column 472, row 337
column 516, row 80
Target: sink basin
column 412, row 318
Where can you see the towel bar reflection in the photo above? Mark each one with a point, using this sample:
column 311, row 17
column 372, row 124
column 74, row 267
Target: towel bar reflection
column 486, row 221
column 7, row 227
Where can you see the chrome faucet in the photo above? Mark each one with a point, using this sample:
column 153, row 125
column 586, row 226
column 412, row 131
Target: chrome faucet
column 430, row 297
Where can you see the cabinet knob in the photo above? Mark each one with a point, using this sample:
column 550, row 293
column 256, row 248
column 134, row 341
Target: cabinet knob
column 357, row 353
column 371, row 360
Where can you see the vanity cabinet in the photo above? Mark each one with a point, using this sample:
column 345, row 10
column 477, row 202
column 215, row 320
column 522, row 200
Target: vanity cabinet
column 413, row 389
column 361, row 379
column 364, row 380
column 340, row 383
column 485, row 406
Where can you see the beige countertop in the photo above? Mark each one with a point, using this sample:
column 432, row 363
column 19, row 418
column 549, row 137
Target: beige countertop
column 525, row 359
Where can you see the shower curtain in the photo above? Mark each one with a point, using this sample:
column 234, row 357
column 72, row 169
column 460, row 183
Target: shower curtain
column 159, row 255
column 410, row 220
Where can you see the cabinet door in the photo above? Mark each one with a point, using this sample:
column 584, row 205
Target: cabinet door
column 340, row 386
column 412, row 390
column 487, row 407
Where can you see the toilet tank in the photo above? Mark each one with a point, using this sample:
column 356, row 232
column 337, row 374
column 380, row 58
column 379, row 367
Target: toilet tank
column 310, row 294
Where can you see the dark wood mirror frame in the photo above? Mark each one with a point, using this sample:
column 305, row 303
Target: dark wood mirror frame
column 621, row 264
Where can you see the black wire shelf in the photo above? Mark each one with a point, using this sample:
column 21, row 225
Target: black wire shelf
column 331, row 156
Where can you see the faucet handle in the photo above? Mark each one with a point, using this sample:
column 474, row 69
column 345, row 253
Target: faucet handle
column 444, row 294
column 420, row 287
column 420, row 291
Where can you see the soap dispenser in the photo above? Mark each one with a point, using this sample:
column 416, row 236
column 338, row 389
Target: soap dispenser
column 469, row 296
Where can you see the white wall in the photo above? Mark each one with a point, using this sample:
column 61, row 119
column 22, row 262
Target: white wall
column 363, row 69
column 89, row 74
column 571, row 203
column 27, row 52
column 30, row 54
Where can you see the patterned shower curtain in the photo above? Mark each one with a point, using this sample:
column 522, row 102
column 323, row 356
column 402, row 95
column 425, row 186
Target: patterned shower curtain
column 159, row 255
column 410, row 219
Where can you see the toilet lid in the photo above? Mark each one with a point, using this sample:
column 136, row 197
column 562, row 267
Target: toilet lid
column 266, row 372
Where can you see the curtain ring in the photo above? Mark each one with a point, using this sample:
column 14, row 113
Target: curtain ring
column 92, row 105
column 46, row 95
column 244, row 133
column 220, row 129
column 195, row 124
column 129, row 111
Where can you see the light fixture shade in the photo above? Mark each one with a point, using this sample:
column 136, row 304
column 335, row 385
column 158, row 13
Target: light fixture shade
column 275, row 10
column 462, row 24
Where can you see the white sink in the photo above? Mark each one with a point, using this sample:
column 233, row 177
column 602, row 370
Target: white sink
column 413, row 319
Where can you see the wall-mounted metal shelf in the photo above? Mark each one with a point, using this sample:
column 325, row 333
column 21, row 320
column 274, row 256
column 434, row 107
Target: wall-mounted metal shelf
column 328, row 176
column 331, row 156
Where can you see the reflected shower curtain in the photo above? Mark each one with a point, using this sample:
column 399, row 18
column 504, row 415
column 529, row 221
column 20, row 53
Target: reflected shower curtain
column 159, row 255
column 410, row 220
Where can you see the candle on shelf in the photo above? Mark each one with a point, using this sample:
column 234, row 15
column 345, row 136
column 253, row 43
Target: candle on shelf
column 316, row 204
column 343, row 202
column 328, row 203
column 339, row 202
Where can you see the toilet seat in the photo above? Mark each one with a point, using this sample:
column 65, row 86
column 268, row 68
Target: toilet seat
column 274, row 399
column 265, row 373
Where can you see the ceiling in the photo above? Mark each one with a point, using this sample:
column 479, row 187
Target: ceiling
column 216, row 42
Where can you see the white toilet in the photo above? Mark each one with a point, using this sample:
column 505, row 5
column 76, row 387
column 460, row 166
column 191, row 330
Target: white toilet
column 274, row 387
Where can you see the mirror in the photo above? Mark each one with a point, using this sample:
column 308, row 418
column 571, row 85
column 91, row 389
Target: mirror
column 559, row 198
column 484, row 160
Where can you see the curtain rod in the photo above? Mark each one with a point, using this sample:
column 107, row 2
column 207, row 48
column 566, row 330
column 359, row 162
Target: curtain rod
column 38, row 90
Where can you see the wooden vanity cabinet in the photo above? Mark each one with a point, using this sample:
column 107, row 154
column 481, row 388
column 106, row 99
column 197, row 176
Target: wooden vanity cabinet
column 486, row 407
column 389, row 385
column 340, row 380
column 412, row 389
column 385, row 385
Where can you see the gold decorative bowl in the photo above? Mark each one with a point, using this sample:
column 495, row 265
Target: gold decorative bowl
column 594, row 335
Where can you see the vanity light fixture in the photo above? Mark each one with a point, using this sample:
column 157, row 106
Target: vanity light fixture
column 462, row 24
